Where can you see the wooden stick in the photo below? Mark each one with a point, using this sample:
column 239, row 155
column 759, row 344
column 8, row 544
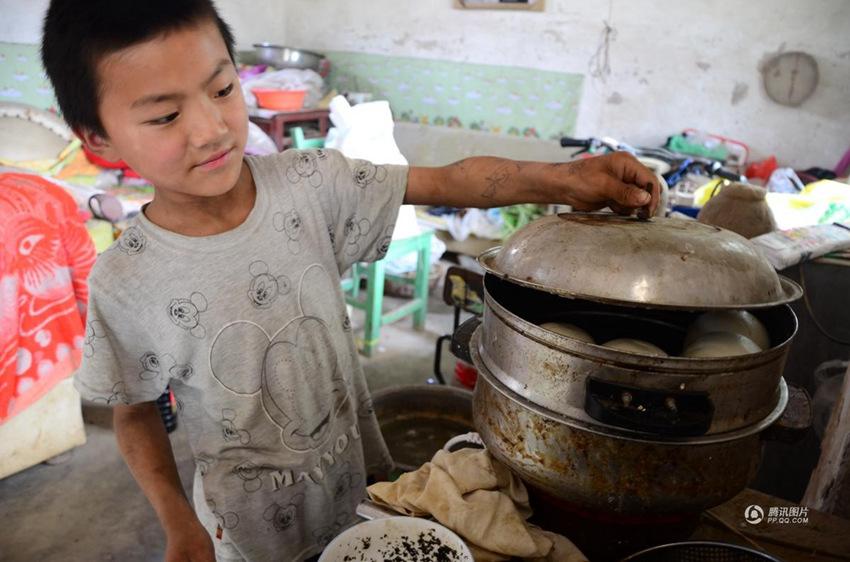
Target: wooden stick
column 829, row 486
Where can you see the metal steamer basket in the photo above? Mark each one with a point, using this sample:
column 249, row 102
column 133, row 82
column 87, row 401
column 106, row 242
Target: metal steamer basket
column 617, row 432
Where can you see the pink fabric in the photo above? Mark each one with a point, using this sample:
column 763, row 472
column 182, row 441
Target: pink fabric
column 45, row 258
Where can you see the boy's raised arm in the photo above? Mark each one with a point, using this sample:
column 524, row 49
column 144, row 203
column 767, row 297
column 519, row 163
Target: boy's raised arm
column 615, row 180
column 147, row 451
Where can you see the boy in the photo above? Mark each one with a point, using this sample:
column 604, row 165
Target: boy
column 227, row 285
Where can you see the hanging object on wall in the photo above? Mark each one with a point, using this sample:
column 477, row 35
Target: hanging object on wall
column 531, row 5
column 790, row 78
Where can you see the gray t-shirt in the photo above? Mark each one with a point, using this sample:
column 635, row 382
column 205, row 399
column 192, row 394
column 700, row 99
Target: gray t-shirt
column 250, row 329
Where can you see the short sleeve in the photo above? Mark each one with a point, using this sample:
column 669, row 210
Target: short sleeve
column 120, row 365
column 360, row 206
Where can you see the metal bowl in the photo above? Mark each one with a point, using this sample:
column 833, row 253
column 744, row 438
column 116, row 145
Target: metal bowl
column 279, row 56
column 660, row 263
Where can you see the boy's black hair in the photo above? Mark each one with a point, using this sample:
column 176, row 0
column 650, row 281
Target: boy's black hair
column 79, row 33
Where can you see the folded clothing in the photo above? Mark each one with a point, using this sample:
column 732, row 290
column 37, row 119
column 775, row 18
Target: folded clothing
column 482, row 501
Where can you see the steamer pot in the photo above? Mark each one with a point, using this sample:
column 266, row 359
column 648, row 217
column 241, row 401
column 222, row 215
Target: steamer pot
column 613, row 431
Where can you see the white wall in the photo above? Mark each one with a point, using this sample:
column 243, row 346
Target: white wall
column 20, row 20
column 252, row 20
column 673, row 64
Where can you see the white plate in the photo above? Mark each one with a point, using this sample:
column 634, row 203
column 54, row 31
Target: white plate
column 397, row 539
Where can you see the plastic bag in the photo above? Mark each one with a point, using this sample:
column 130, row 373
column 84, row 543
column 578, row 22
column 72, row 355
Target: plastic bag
column 366, row 131
column 820, row 202
column 479, row 222
column 259, row 142
column 784, row 180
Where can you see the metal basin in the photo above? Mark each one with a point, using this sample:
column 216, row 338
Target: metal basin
column 279, row 56
column 417, row 420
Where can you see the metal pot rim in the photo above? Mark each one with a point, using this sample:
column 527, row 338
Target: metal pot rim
column 694, row 365
column 617, row 433
column 642, row 555
column 267, row 45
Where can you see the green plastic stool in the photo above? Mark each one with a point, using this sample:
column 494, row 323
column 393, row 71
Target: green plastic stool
column 299, row 142
column 375, row 277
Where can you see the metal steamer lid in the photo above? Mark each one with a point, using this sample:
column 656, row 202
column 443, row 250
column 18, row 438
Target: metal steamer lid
column 659, row 263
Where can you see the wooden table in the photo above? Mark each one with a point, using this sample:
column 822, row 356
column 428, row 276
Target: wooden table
column 825, row 538
column 273, row 123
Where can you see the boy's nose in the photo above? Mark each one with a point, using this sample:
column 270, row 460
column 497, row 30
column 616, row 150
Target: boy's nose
column 208, row 127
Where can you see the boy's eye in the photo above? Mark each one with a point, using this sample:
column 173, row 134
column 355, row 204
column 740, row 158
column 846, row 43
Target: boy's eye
column 225, row 92
column 164, row 120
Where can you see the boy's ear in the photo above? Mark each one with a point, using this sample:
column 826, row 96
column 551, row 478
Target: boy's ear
column 98, row 144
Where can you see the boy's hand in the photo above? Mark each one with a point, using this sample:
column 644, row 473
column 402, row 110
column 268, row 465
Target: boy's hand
column 615, row 180
column 190, row 543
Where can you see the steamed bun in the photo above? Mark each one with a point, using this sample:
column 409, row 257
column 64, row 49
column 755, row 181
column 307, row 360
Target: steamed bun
column 720, row 344
column 569, row 330
column 635, row 346
column 736, row 321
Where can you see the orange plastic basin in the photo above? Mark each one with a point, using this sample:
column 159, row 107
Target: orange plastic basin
column 281, row 100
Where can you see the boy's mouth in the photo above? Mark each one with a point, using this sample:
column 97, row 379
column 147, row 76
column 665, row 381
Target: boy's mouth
column 216, row 160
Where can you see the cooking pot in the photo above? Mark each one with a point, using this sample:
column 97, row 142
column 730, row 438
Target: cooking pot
column 613, row 431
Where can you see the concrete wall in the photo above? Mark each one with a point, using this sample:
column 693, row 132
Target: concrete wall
column 672, row 64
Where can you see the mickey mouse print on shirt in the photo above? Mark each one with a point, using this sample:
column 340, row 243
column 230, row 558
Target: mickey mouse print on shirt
column 186, row 313
column 132, row 241
column 94, row 329
column 265, row 288
column 367, row 173
column 251, row 476
column 301, row 383
column 292, row 225
column 283, row 515
column 384, row 243
column 117, row 396
column 152, row 368
column 306, row 167
column 354, row 230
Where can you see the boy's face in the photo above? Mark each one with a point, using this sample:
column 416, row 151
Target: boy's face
column 173, row 110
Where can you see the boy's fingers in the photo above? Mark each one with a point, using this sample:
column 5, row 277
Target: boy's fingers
column 631, row 196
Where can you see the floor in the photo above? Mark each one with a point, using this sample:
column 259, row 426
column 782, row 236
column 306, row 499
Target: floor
column 90, row 508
